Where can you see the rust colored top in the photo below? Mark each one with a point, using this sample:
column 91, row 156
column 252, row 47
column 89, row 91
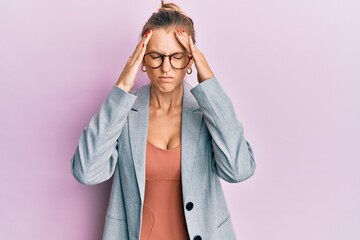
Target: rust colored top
column 163, row 214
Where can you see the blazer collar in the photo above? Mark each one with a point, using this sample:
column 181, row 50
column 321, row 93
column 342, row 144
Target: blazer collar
column 143, row 98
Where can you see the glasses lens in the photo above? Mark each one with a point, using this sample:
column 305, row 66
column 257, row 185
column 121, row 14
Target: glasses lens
column 179, row 60
column 153, row 60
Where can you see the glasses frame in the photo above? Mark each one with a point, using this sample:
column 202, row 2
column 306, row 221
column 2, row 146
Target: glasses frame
column 170, row 56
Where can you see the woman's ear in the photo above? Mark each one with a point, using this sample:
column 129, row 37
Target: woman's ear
column 191, row 62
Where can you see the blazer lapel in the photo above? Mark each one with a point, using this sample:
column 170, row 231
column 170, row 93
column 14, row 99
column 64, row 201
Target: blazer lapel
column 138, row 130
column 190, row 129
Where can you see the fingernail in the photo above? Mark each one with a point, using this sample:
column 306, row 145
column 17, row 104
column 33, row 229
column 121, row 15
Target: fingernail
column 183, row 30
column 143, row 45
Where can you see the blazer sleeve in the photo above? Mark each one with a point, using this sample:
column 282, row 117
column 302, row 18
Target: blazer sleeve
column 233, row 157
column 96, row 154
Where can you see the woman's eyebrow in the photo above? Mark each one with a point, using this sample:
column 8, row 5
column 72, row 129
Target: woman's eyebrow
column 154, row 51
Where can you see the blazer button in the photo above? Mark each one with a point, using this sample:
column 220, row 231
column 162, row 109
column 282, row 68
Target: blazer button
column 197, row 237
column 190, row 206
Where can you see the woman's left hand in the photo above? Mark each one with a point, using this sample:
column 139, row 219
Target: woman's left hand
column 203, row 69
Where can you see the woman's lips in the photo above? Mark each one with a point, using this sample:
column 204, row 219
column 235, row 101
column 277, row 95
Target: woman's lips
column 166, row 79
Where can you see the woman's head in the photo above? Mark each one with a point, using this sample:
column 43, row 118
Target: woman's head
column 169, row 75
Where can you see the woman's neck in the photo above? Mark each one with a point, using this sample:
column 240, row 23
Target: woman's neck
column 166, row 101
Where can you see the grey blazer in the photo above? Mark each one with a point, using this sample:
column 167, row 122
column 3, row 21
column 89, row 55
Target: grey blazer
column 213, row 146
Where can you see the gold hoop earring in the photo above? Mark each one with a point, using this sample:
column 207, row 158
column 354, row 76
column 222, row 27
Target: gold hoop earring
column 189, row 72
column 143, row 68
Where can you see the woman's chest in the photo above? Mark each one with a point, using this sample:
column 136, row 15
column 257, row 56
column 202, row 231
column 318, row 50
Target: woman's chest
column 164, row 130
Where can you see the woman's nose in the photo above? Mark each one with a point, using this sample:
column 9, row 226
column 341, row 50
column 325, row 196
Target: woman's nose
column 166, row 66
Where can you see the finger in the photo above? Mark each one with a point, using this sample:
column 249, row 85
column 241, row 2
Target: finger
column 182, row 38
column 192, row 45
column 141, row 46
column 137, row 48
column 144, row 40
column 141, row 54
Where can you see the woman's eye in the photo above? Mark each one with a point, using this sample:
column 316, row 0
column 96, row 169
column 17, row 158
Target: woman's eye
column 155, row 57
column 178, row 57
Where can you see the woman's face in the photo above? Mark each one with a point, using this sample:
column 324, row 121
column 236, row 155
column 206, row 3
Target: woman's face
column 165, row 78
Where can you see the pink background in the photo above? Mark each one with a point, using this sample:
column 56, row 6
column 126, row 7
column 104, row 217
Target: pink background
column 292, row 69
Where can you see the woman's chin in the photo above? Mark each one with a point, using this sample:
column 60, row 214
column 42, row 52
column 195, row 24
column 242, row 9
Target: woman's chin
column 167, row 86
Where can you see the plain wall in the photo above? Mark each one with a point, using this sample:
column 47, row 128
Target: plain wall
column 291, row 68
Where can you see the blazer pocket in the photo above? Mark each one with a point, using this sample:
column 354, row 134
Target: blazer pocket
column 148, row 220
column 223, row 221
column 225, row 230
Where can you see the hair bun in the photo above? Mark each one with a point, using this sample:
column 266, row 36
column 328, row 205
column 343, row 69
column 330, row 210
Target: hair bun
column 169, row 15
column 169, row 7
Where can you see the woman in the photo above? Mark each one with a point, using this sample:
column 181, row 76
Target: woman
column 167, row 143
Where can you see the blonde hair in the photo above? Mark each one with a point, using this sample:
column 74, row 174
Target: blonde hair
column 170, row 15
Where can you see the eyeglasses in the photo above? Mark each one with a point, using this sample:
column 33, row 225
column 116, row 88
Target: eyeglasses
column 177, row 60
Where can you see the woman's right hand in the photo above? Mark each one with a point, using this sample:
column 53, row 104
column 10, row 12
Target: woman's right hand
column 127, row 77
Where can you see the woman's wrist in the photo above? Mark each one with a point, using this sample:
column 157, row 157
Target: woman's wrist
column 123, row 87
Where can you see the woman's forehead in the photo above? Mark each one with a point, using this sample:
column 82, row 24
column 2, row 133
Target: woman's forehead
column 164, row 42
